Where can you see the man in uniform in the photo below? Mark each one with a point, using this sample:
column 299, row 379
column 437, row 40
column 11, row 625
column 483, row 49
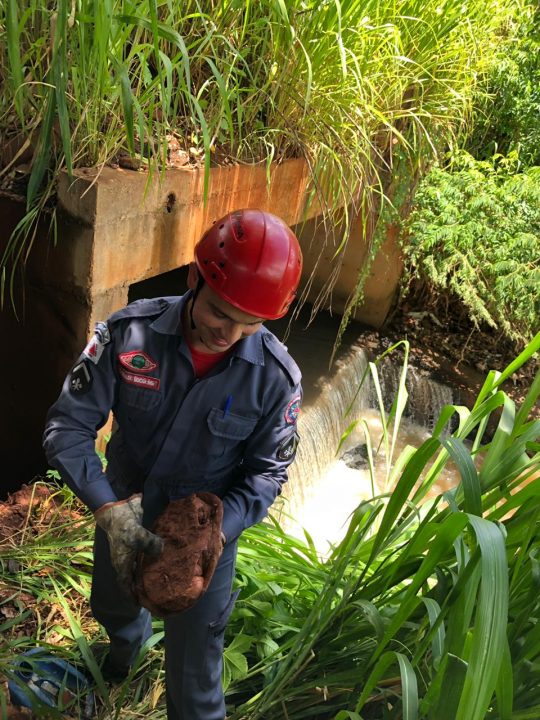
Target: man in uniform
column 204, row 398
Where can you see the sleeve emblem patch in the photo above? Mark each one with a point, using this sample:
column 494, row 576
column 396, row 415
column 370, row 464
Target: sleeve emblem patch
column 94, row 350
column 287, row 449
column 292, row 411
column 137, row 361
column 102, row 333
column 80, row 380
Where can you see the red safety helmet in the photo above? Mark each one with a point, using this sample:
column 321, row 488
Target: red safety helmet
column 251, row 259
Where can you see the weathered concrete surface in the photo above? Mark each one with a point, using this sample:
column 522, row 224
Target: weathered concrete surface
column 346, row 266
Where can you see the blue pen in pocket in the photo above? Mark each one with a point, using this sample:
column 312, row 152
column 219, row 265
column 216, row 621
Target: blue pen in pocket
column 227, row 407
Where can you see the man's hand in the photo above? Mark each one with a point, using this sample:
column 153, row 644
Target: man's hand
column 122, row 521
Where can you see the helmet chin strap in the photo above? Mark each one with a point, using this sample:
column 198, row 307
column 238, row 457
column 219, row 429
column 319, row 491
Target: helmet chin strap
column 200, row 283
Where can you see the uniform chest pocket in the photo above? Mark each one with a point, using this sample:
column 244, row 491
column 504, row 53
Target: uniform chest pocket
column 138, row 398
column 230, row 426
column 218, row 445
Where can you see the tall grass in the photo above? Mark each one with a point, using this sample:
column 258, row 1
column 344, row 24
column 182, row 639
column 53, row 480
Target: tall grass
column 358, row 87
column 425, row 610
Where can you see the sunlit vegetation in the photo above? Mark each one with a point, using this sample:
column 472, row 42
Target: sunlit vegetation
column 365, row 91
column 416, row 599
column 473, row 237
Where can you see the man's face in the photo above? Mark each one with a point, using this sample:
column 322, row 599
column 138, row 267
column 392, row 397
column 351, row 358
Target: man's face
column 218, row 325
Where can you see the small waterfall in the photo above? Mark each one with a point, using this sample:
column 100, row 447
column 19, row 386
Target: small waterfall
column 321, row 425
column 427, row 397
column 322, row 422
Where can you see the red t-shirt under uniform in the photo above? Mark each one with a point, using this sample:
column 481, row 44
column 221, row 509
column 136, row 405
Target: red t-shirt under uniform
column 203, row 362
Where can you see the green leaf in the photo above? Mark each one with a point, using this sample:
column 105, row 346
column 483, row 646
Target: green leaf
column 505, row 686
column 489, row 636
column 448, row 686
column 408, row 682
column 469, row 476
column 15, row 66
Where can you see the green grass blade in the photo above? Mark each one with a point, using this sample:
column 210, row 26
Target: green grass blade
column 489, row 640
column 437, row 643
column 505, row 686
column 408, row 683
column 59, row 71
column 15, row 66
column 469, row 476
column 43, row 152
column 127, row 102
column 448, row 688
column 400, row 494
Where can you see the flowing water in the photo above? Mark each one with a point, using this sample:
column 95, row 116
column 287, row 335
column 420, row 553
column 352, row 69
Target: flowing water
column 324, row 487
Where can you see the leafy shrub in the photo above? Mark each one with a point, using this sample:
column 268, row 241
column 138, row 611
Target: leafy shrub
column 475, row 232
column 507, row 117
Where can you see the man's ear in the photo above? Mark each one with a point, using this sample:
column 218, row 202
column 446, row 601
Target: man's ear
column 193, row 276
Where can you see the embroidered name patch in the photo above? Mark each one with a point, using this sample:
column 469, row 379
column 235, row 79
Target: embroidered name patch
column 80, row 380
column 292, row 411
column 287, row 449
column 137, row 361
column 140, row 380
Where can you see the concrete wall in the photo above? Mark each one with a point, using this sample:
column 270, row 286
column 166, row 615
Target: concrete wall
column 346, row 266
column 116, row 228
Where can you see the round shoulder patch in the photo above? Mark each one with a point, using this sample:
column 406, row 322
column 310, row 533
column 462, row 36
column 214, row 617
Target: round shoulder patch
column 292, row 411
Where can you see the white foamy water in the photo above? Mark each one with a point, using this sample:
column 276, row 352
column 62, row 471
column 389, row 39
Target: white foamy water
column 323, row 490
column 325, row 503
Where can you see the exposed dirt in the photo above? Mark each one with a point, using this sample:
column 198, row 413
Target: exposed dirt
column 29, row 510
column 13, row 712
column 27, row 513
column 191, row 529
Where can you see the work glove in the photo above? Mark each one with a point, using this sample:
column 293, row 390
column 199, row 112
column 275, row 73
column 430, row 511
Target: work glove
column 122, row 522
column 191, row 529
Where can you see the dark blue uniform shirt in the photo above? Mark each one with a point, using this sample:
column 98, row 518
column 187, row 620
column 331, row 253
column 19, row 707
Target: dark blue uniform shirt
column 231, row 432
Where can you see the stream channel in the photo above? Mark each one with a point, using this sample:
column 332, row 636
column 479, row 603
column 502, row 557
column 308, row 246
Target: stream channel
column 324, row 487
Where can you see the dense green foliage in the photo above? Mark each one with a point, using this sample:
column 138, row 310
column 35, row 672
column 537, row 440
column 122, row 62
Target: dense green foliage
column 343, row 84
column 475, row 234
column 421, row 612
column 507, row 114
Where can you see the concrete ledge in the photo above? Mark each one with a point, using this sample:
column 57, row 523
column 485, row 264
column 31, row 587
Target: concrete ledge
column 151, row 224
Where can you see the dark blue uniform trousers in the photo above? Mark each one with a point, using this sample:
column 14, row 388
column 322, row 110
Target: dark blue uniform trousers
column 193, row 639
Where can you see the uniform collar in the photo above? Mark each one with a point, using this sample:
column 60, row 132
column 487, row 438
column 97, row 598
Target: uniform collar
column 170, row 323
column 251, row 348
